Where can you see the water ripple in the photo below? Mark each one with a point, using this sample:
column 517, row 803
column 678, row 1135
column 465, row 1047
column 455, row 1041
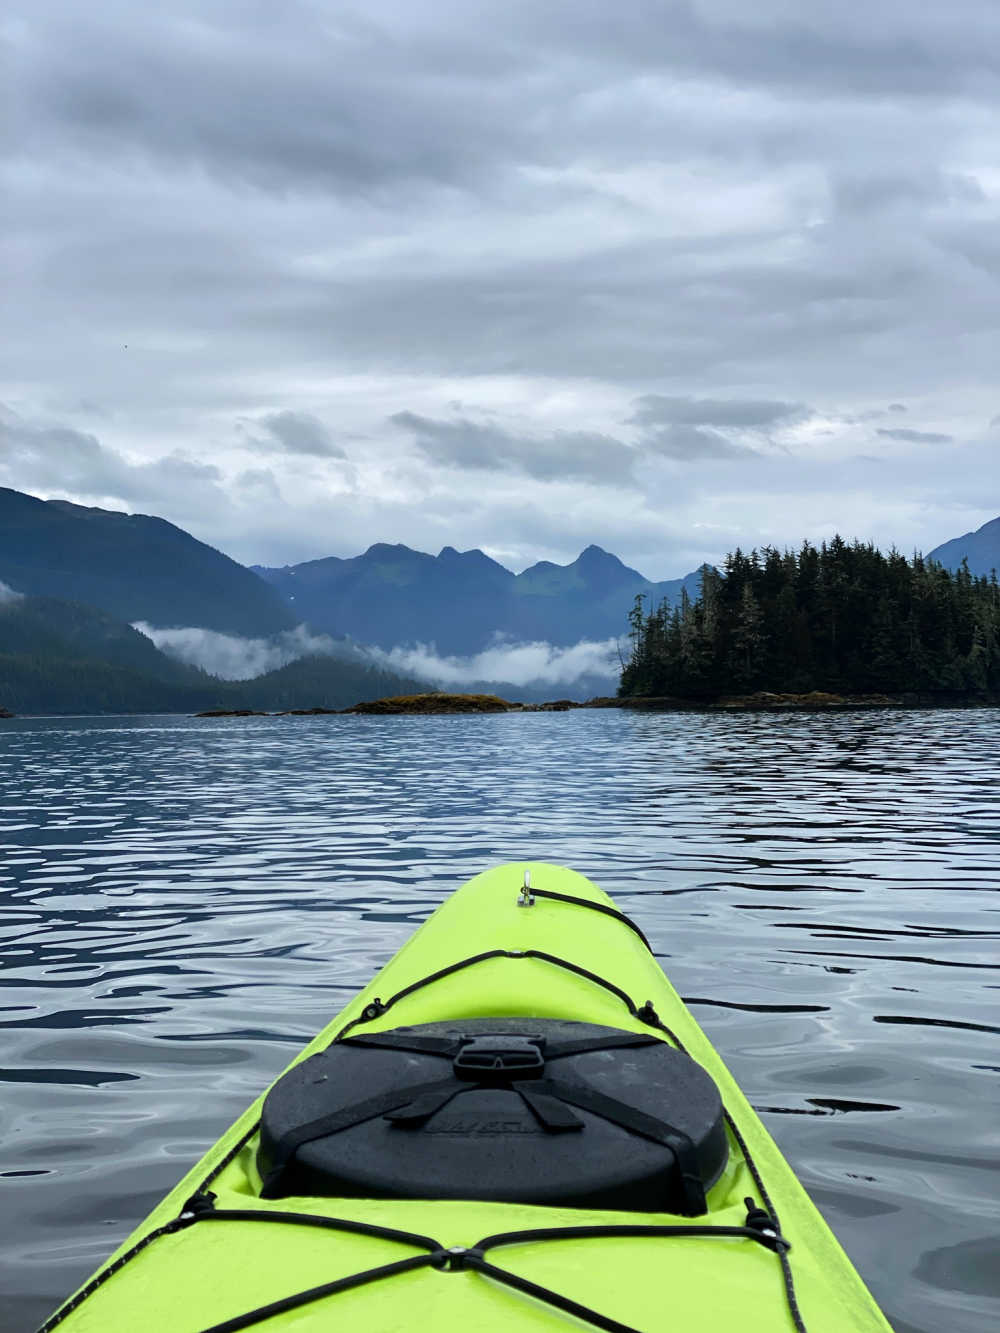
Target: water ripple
column 185, row 902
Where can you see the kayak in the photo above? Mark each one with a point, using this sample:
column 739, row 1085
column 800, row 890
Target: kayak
column 516, row 1124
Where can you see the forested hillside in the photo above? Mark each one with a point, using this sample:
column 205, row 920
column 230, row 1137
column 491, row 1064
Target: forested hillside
column 62, row 657
column 53, row 685
column 132, row 566
column 841, row 617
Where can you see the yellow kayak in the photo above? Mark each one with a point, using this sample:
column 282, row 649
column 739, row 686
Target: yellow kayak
column 517, row 1124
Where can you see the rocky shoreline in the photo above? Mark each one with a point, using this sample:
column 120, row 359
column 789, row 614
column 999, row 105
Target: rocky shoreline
column 439, row 704
column 762, row 701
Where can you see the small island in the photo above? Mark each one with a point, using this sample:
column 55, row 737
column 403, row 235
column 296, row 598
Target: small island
column 839, row 625
column 231, row 712
column 835, row 627
column 436, row 703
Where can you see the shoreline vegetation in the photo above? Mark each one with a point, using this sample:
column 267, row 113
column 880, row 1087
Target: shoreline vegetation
column 442, row 705
column 438, row 705
column 835, row 620
column 839, row 626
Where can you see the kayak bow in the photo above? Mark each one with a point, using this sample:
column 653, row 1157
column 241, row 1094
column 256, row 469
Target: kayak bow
column 516, row 1124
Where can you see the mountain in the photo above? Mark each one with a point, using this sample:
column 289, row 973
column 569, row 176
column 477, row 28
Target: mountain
column 323, row 682
column 132, row 566
column 57, row 685
column 981, row 548
column 62, row 657
column 460, row 600
column 587, row 599
column 49, row 628
column 393, row 595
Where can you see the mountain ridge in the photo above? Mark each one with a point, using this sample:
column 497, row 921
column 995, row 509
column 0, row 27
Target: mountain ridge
column 981, row 548
column 464, row 601
column 132, row 566
column 58, row 656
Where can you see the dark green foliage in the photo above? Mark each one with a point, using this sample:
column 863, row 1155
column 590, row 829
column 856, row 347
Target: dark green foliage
column 50, row 628
column 44, row 685
column 62, row 657
column 31, row 684
column 325, row 682
column 841, row 618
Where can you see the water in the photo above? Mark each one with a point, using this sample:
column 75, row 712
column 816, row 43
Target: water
column 186, row 901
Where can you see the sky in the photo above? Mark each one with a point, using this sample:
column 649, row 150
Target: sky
column 666, row 277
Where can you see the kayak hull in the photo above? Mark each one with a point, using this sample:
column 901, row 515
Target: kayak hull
column 487, row 953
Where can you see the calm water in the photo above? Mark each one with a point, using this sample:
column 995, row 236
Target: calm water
column 185, row 902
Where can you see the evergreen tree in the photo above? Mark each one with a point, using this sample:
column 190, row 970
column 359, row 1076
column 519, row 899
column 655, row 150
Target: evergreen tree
column 843, row 617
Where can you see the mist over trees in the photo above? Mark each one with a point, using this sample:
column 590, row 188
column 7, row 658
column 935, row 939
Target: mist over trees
column 840, row 617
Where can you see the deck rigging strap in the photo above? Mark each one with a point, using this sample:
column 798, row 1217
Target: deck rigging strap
column 200, row 1208
column 424, row 1044
column 460, row 1258
column 594, row 907
column 646, row 1013
column 770, row 1237
column 652, row 1017
column 377, row 1007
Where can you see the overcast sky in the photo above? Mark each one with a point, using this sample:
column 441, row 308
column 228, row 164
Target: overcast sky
column 525, row 275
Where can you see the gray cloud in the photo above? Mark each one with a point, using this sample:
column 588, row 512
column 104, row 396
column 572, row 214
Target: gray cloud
column 867, row 193
column 522, row 664
column 535, row 664
column 704, row 214
column 668, row 432
column 9, row 596
column 361, row 96
column 580, row 455
column 232, row 657
column 655, row 409
column 692, row 442
column 917, row 436
column 294, row 433
column 58, row 458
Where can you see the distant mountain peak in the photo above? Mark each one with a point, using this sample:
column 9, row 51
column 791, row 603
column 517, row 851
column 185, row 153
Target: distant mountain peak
column 981, row 548
column 596, row 556
column 461, row 600
column 131, row 566
column 391, row 548
column 597, row 565
column 472, row 559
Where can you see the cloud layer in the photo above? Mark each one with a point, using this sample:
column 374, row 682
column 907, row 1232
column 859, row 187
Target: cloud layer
column 521, row 664
column 665, row 276
column 9, row 596
column 232, row 657
column 539, row 665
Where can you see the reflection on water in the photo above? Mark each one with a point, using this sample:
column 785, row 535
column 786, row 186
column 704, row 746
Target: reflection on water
column 186, row 901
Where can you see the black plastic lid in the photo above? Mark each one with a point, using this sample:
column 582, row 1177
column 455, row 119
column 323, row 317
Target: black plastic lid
column 475, row 1136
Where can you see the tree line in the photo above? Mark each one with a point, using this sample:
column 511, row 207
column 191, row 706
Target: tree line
column 34, row 683
column 841, row 617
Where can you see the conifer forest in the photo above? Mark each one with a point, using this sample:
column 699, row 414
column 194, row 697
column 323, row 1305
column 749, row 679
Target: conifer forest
column 841, row 617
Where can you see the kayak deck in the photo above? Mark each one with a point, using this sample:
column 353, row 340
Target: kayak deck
column 216, row 1256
